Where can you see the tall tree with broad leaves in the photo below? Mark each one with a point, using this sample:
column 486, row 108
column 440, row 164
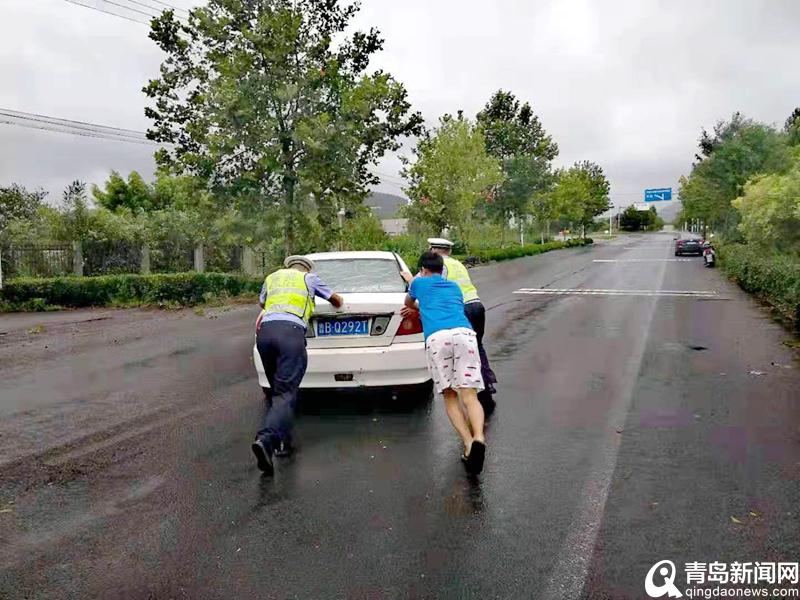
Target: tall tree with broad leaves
column 257, row 98
column 524, row 192
column 512, row 129
column 451, row 173
column 582, row 193
column 515, row 136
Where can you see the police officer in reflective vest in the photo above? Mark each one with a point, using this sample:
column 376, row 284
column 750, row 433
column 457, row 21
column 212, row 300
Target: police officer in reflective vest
column 474, row 310
column 287, row 299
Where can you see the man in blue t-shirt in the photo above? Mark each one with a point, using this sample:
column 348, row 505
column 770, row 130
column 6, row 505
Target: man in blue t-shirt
column 451, row 348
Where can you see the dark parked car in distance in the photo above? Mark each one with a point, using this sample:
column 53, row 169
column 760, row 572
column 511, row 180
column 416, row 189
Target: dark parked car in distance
column 688, row 246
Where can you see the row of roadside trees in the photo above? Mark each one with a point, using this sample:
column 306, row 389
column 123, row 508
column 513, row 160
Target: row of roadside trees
column 745, row 185
column 271, row 123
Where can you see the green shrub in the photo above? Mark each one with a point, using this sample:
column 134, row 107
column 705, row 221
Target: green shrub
column 484, row 255
column 773, row 277
column 184, row 289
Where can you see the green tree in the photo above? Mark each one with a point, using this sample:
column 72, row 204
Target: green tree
column 75, row 215
column 792, row 127
column 528, row 178
column 515, row 135
column 270, row 101
column 630, row 219
column 363, row 231
column 451, row 173
column 770, row 211
column 723, row 131
column 17, row 203
column 513, row 130
column 134, row 194
column 740, row 150
column 581, row 193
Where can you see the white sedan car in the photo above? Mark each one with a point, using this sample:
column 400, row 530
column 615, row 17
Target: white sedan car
column 366, row 343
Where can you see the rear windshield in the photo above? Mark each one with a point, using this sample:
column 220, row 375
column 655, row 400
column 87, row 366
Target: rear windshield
column 351, row 275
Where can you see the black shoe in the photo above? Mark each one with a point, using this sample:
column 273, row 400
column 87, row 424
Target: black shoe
column 263, row 456
column 284, row 449
column 477, row 454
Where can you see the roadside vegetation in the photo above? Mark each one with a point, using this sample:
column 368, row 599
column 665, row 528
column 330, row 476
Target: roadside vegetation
column 745, row 187
column 271, row 128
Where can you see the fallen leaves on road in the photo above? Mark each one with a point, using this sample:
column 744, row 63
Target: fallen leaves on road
column 735, row 520
column 36, row 330
column 757, row 373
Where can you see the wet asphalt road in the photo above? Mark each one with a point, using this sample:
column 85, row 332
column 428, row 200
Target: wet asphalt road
column 630, row 429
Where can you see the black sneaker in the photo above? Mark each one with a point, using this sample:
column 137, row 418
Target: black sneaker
column 284, row 449
column 263, row 456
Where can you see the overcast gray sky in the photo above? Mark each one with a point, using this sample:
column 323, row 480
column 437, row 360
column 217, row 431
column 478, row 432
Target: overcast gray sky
column 625, row 83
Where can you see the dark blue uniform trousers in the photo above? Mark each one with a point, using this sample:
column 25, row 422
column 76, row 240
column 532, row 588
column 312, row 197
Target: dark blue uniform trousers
column 282, row 347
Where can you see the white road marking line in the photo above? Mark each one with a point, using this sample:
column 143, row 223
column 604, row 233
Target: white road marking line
column 600, row 292
column 664, row 247
column 640, row 260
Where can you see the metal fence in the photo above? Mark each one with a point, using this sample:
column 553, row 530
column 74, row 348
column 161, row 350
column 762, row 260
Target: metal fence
column 111, row 258
column 37, row 260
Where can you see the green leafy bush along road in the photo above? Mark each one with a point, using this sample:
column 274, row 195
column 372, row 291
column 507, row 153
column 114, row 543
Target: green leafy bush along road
column 774, row 278
column 186, row 289
column 485, row 255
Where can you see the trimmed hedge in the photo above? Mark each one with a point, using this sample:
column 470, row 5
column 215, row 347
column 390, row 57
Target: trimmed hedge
column 774, row 278
column 175, row 288
column 484, row 255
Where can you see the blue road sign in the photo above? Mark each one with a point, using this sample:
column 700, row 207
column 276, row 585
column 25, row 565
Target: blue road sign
column 658, row 195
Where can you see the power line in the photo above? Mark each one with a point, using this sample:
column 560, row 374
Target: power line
column 136, row 10
column 170, row 6
column 80, row 133
column 79, row 128
column 108, row 12
column 68, row 123
column 160, row 10
column 180, row 18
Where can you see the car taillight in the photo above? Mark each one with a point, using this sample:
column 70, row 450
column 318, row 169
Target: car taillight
column 410, row 326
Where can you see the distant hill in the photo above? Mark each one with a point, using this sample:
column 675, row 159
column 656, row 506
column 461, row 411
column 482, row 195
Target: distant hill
column 668, row 210
column 385, row 206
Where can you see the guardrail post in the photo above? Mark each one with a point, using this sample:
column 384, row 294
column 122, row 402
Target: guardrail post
column 144, row 267
column 199, row 260
column 77, row 259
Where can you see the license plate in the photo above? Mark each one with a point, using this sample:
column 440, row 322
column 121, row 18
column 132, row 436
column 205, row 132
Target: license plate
column 343, row 327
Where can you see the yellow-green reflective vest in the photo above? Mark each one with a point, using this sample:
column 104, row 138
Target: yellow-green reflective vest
column 458, row 273
column 287, row 292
